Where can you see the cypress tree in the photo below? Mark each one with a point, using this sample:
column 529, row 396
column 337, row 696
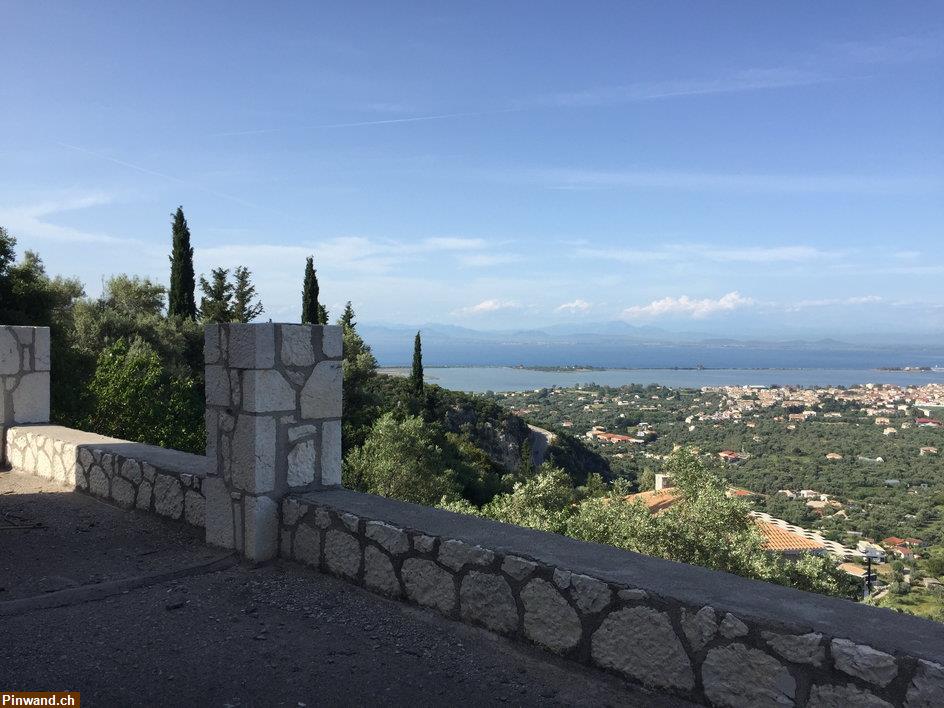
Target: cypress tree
column 416, row 377
column 310, row 307
column 181, row 299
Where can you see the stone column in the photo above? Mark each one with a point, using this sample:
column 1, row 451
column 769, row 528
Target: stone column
column 24, row 378
column 273, row 418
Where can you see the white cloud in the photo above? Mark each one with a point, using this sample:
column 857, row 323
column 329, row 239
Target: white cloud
column 686, row 306
column 31, row 221
column 487, row 306
column 833, row 302
column 574, row 307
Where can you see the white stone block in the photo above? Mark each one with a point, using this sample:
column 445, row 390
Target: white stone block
column 251, row 346
column 31, row 398
column 261, row 527
column 331, row 453
column 211, row 344
column 302, row 461
column 41, row 349
column 253, row 461
column 297, row 349
column 9, row 353
column 266, row 391
column 332, row 341
column 219, row 513
column 217, row 386
column 321, row 396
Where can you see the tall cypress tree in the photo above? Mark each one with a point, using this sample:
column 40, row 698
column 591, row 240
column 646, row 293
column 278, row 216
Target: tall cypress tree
column 310, row 308
column 181, row 300
column 416, row 377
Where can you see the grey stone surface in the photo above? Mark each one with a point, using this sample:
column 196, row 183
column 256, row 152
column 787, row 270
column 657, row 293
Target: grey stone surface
column 322, row 518
column 518, row 568
column 864, row 662
column 390, row 538
column 301, row 431
column 590, row 595
column 455, row 554
column 927, row 687
column 251, row 346
column 332, row 341
column 168, row 496
column 122, row 491
column 331, row 453
column 219, row 513
column 429, row 585
column 307, row 548
column 31, row 398
column 302, row 463
column 351, row 521
column 254, row 454
column 267, row 391
column 487, row 599
column 640, row 643
column 700, row 627
column 131, row 469
column 10, row 363
column 217, row 386
column 296, row 345
column 548, row 619
column 632, row 594
column 342, row 553
column 211, row 345
column 292, row 511
column 143, row 500
column 562, row 578
column 736, row 675
column 194, row 508
column 321, row 396
column 799, row 648
column 260, row 528
column 731, row 627
column 843, row 696
column 41, row 349
column 424, row 544
column 98, row 481
column 379, row 574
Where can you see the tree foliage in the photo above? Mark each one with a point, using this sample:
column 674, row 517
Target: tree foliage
column 245, row 306
column 217, row 301
column 181, row 298
column 132, row 396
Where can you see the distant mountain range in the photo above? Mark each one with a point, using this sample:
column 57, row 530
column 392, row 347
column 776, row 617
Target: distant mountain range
column 620, row 344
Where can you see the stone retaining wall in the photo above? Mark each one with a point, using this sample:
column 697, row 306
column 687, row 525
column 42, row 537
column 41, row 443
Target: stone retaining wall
column 620, row 611
column 132, row 475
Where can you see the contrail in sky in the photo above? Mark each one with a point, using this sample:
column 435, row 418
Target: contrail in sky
column 172, row 178
column 413, row 119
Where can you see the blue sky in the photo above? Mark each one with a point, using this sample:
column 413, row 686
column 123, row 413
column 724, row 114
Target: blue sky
column 729, row 167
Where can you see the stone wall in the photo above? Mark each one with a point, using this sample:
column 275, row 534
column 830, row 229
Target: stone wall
column 273, row 418
column 131, row 475
column 24, row 376
column 709, row 637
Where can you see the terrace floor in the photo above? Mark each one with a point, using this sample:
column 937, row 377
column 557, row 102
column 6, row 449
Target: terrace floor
column 146, row 614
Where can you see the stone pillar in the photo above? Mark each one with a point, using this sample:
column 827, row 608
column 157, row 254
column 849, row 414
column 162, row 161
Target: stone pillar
column 273, row 418
column 24, row 378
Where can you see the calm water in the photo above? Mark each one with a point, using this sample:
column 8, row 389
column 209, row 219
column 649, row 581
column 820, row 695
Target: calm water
column 486, row 378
